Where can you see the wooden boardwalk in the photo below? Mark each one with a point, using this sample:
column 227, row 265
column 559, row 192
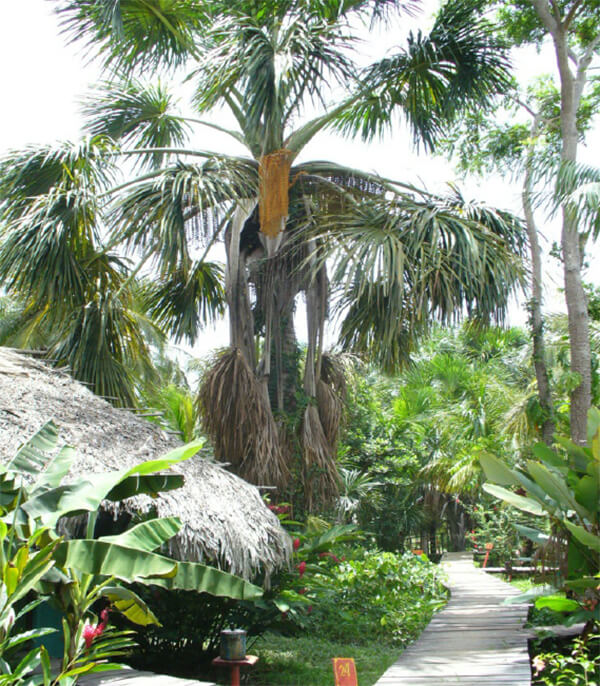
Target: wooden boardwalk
column 473, row 640
column 131, row 677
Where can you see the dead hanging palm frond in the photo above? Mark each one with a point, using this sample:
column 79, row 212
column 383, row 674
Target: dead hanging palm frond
column 274, row 181
column 236, row 415
column 330, row 412
column 319, row 472
column 331, row 393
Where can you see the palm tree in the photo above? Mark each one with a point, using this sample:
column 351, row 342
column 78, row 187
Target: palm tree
column 400, row 256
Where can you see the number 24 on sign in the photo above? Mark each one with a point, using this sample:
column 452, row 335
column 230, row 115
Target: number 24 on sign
column 344, row 671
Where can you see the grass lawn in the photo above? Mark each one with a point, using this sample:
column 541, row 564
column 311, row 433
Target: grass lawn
column 306, row 661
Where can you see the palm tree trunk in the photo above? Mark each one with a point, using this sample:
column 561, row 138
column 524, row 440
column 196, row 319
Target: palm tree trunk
column 241, row 320
column 320, row 470
column 286, row 359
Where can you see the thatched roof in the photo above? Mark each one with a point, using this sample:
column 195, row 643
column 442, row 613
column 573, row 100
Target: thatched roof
column 224, row 517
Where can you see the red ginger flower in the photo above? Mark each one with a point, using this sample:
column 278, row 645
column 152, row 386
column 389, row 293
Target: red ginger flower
column 296, row 543
column 302, row 568
column 91, row 631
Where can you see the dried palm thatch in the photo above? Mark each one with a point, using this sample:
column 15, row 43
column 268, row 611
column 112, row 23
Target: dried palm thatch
column 224, row 518
column 236, row 415
column 331, row 393
column 274, row 181
column 320, row 474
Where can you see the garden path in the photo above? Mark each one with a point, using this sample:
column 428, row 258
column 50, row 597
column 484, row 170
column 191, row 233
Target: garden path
column 131, row 677
column 475, row 639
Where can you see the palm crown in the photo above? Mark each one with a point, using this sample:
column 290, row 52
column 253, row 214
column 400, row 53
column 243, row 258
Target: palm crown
column 400, row 255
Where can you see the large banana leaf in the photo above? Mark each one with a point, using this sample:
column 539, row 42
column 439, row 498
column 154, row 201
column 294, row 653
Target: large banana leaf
column 550, row 457
column 86, row 495
column 532, row 534
column 497, row 472
column 108, row 559
column 588, row 539
column 518, row 501
column 191, row 576
column 131, row 605
column 593, row 431
column 555, row 488
column 147, row 536
column 129, row 565
column 56, row 469
column 587, row 493
column 150, row 484
column 33, row 455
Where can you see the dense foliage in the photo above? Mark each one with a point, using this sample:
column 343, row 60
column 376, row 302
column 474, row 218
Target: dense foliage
column 382, row 595
column 418, row 436
column 577, row 664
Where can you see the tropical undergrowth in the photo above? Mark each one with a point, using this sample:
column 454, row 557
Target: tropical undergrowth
column 341, row 596
column 345, row 598
column 566, row 661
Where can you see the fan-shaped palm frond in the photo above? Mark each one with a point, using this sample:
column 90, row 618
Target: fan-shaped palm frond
column 405, row 262
column 136, row 114
column 185, row 302
column 51, row 212
column 354, row 487
column 578, row 188
column 268, row 71
column 135, row 34
column 331, row 10
column 460, row 63
column 67, row 168
column 101, row 344
column 164, row 211
column 20, row 325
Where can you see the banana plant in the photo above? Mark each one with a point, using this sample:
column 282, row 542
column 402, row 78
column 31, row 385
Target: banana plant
column 76, row 574
column 562, row 486
column 32, row 487
column 23, row 565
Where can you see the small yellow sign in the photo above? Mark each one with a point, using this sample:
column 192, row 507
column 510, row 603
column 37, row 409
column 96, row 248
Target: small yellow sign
column 344, row 671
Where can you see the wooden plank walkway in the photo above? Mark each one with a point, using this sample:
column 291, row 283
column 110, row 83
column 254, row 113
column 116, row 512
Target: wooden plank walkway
column 131, row 677
column 473, row 640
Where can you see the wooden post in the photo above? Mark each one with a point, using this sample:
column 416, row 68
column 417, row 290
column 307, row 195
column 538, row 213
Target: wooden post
column 488, row 549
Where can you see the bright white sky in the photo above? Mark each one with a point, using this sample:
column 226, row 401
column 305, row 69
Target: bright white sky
column 42, row 80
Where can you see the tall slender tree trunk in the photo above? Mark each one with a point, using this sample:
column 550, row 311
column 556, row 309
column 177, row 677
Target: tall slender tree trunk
column 535, row 302
column 571, row 89
column 579, row 334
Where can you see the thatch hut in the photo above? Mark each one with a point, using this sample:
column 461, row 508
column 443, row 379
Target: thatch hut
column 224, row 518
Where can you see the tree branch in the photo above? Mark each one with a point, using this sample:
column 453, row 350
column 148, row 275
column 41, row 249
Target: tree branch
column 571, row 15
column 582, row 67
column 556, row 9
column 524, row 105
column 545, row 16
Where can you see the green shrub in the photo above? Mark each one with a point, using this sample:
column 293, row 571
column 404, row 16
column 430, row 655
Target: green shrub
column 577, row 665
column 378, row 594
column 495, row 524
